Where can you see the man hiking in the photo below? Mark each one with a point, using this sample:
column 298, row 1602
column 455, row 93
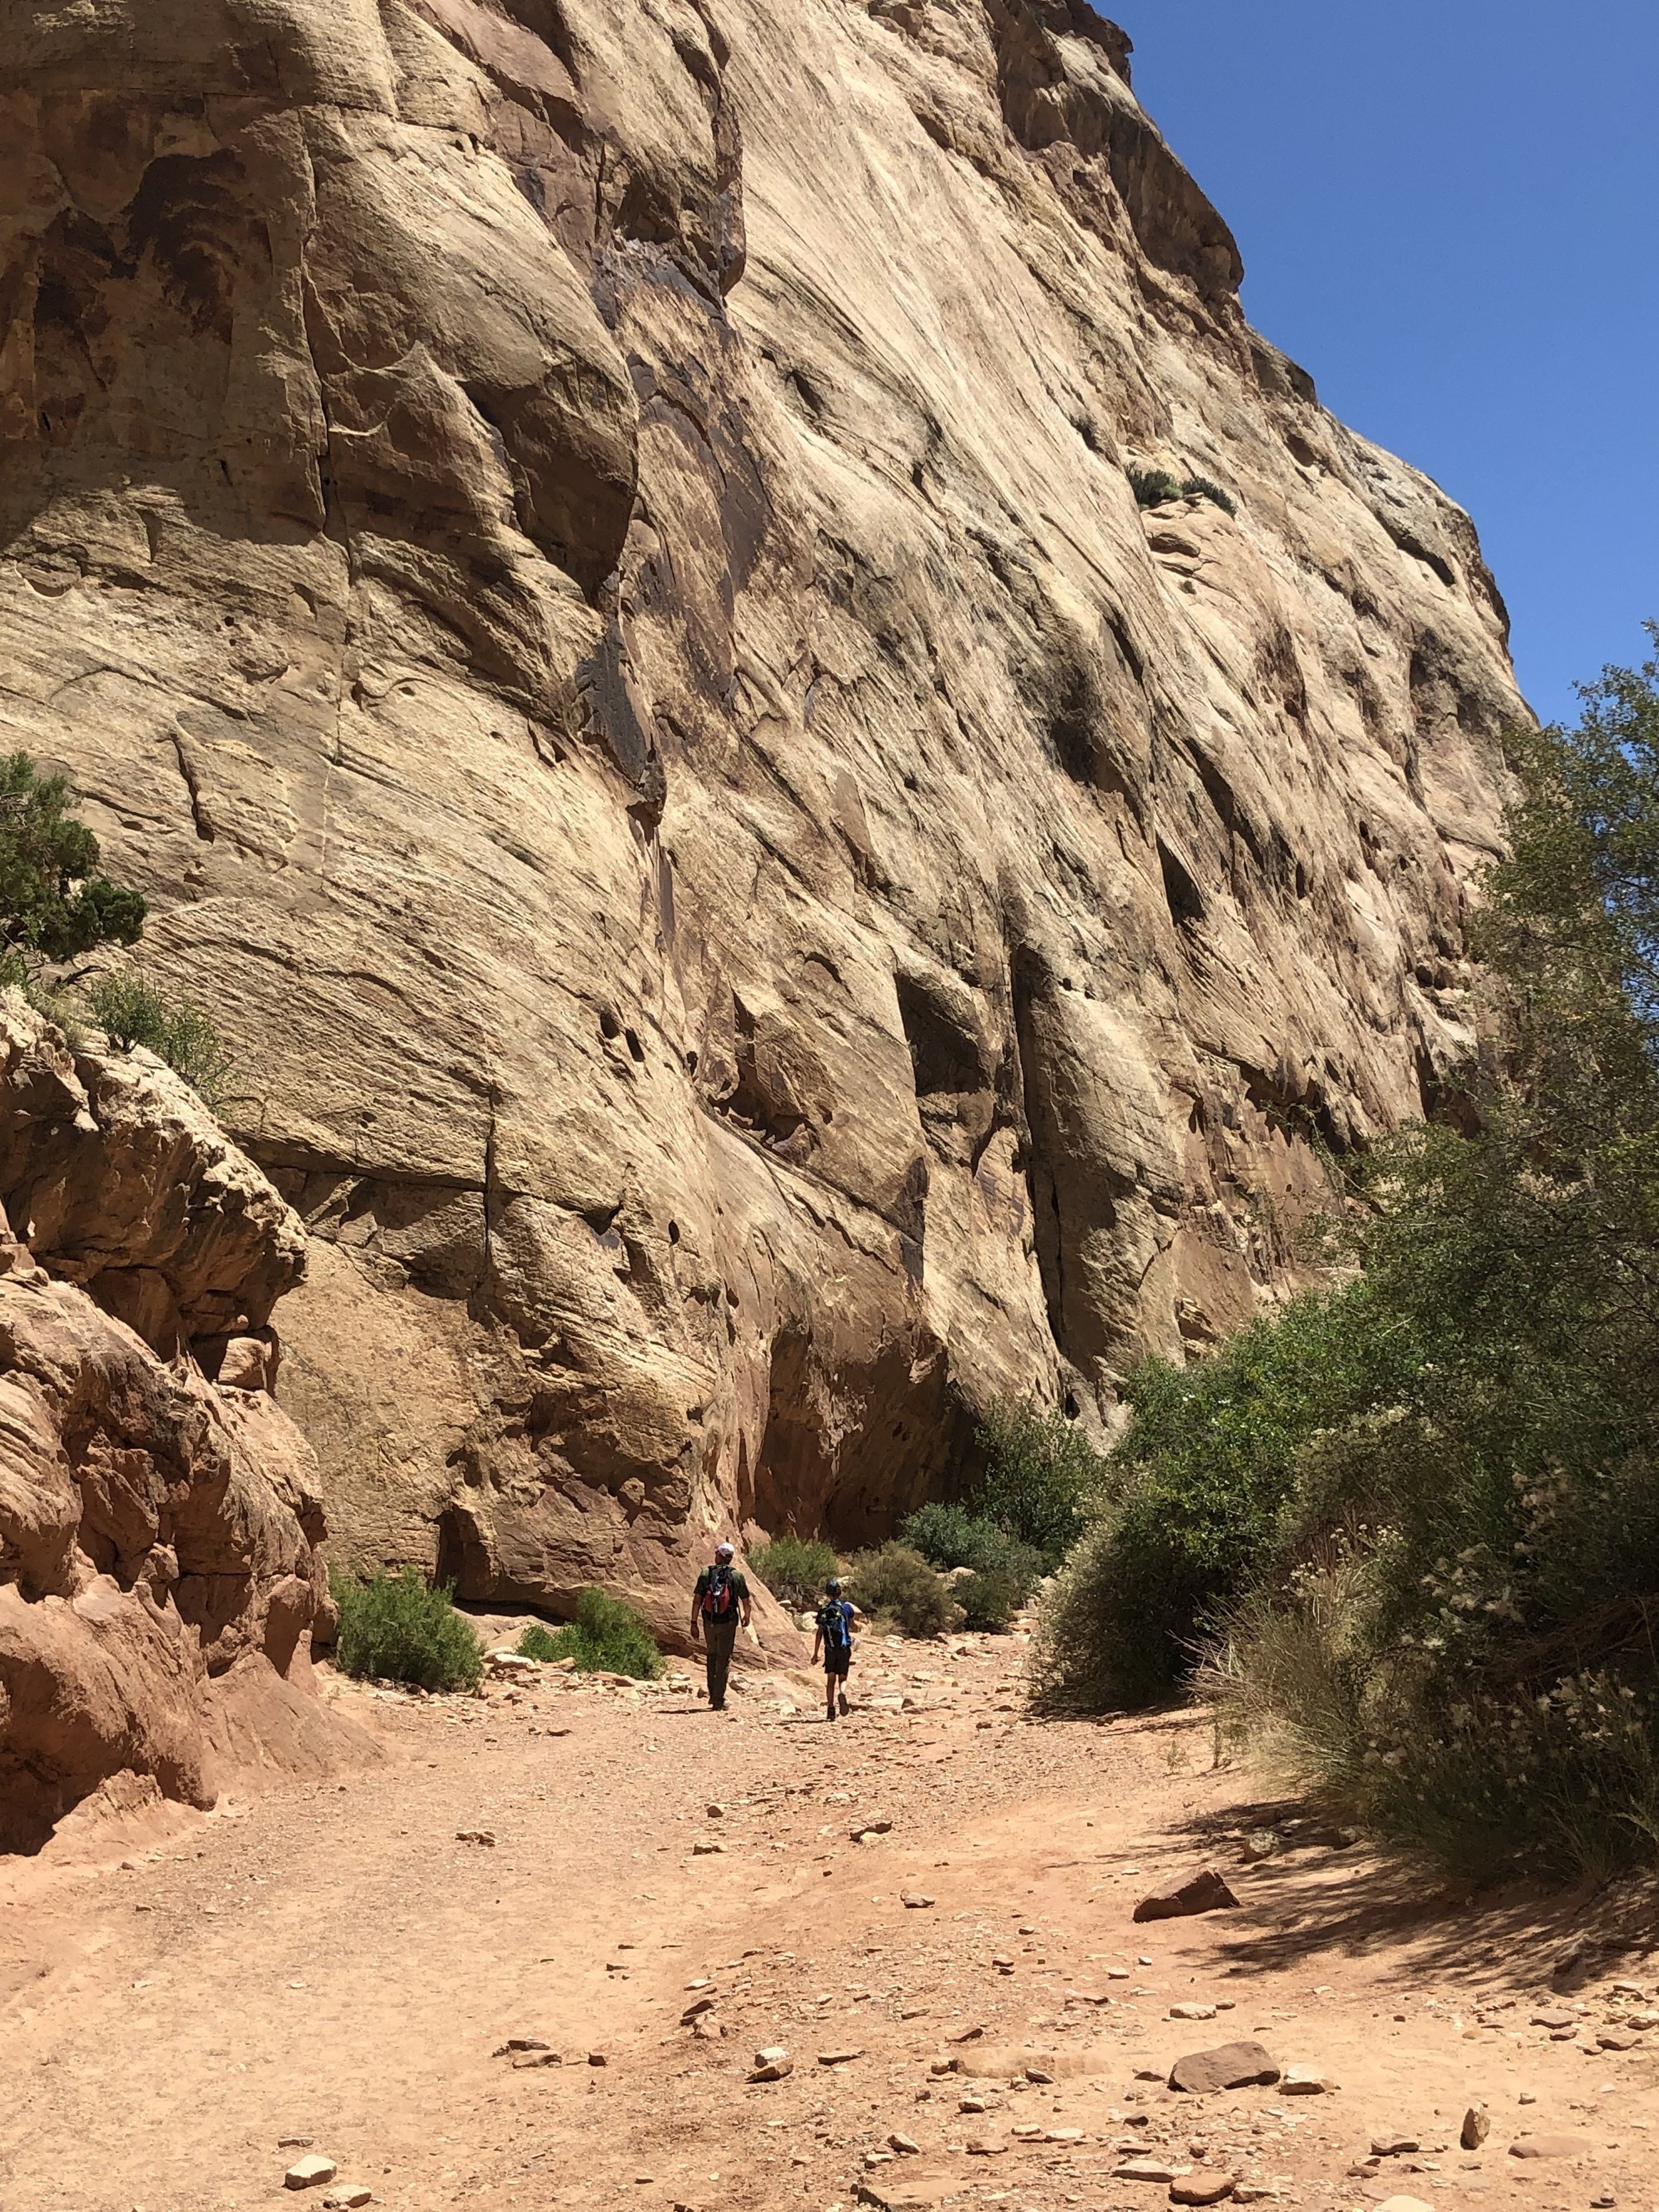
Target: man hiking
column 833, row 1634
column 719, row 1601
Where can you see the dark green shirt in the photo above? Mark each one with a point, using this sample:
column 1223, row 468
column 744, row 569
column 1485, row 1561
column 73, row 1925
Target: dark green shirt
column 739, row 1588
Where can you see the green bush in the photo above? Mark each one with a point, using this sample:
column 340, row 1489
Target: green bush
column 130, row 1011
column 1153, row 486
column 54, row 903
column 1206, row 488
column 793, row 1570
column 1190, row 1505
column 606, row 1638
column 952, row 1536
column 990, row 1599
column 1040, row 1473
column 896, row 1584
column 394, row 1629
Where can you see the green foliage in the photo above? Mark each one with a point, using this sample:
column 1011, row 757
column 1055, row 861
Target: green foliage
column 990, row 1599
column 953, row 1536
column 394, row 1629
column 896, row 1584
column 1192, row 1505
column 1153, row 486
column 54, row 903
column 130, row 1011
column 606, row 1638
column 1207, row 488
column 794, row 1569
column 1040, row 1472
column 1422, row 1507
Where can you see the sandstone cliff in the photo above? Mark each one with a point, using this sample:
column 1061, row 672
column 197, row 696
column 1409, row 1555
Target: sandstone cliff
column 159, row 1574
column 582, row 552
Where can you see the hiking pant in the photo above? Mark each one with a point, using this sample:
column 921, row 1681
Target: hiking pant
column 719, row 1637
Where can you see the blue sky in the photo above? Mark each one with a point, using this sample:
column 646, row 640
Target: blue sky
column 1449, row 212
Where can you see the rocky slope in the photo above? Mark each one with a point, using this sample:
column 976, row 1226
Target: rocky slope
column 582, row 553
column 159, row 1578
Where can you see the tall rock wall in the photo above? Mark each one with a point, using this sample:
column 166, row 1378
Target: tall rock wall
column 581, row 550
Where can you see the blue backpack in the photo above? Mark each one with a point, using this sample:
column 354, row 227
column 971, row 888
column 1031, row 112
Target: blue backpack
column 832, row 1626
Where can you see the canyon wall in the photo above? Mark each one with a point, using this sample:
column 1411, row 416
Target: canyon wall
column 580, row 552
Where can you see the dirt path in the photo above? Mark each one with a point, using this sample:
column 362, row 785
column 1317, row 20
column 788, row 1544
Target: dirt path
column 334, row 1964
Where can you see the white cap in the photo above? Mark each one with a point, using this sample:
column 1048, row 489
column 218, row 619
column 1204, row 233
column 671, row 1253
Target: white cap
column 725, row 1551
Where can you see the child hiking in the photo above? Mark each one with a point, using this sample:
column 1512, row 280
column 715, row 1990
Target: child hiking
column 832, row 1633
column 720, row 1599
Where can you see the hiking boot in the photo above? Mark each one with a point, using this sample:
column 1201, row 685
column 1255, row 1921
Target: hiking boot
column 841, row 1701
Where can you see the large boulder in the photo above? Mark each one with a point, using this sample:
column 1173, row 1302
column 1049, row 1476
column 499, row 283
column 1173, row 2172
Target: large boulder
column 159, row 1530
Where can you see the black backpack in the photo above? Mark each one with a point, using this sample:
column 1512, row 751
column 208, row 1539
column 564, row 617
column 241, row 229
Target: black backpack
column 719, row 1600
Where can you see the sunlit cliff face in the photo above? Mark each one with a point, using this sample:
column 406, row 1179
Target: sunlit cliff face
column 583, row 558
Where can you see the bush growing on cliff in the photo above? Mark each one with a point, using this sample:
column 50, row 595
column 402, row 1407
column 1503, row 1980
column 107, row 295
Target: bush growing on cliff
column 794, row 1569
column 394, row 1629
column 1421, row 1508
column 607, row 1637
column 131, row 1012
column 55, row 902
column 1207, row 488
column 1153, row 486
column 896, row 1584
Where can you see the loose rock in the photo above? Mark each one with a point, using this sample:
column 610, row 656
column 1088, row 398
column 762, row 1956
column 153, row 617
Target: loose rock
column 1551, row 2147
column 1306, row 2082
column 1201, row 2187
column 1477, row 2126
column 1204, row 1892
column 1230, row 2066
column 308, row 2172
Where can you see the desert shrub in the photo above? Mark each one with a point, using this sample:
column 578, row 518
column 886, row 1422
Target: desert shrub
column 1207, row 488
column 131, row 1012
column 1191, row 1507
column 394, row 1629
column 896, row 1584
column 1039, row 1472
column 990, row 1599
column 1153, row 486
column 607, row 1637
column 54, row 902
column 793, row 1569
column 952, row 1536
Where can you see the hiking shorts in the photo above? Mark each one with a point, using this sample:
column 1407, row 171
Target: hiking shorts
column 836, row 1664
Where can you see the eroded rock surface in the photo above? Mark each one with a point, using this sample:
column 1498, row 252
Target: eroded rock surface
column 160, row 1576
column 581, row 552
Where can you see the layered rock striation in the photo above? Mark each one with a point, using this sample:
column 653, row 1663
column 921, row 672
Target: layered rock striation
column 582, row 553
column 159, row 1574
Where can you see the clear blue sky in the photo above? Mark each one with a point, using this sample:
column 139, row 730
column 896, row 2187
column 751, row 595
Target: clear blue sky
column 1449, row 212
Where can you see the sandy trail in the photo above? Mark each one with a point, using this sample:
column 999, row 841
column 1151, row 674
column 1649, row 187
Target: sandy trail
column 332, row 1964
